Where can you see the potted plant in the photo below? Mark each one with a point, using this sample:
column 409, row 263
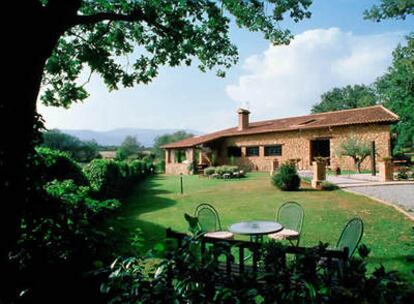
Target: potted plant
column 337, row 171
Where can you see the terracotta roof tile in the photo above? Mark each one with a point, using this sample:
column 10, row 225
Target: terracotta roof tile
column 373, row 114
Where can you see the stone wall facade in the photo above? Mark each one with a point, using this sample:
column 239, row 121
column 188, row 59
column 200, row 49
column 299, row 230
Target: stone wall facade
column 176, row 169
column 297, row 145
column 173, row 167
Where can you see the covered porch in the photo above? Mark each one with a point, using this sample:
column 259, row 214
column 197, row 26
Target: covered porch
column 193, row 159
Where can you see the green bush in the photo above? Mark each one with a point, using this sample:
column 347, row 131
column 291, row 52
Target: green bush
column 59, row 239
column 287, row 178
column 121, row 154
column 54, row 164
column 226, row 170
column 136, row 168
column 105, row 177
column 209, row 171
column 113, row 179
column 403, row 173
column 189, row 274
column 79, row 201
column 327, row 186
column 221, row 170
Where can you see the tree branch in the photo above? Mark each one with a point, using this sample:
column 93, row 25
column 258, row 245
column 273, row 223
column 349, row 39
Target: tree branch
column 136, row 15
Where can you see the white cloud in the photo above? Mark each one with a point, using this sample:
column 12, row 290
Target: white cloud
column 288, row 80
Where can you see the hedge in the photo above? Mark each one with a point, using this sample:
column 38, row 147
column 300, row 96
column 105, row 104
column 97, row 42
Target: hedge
column 58, row 165
column 113, row 179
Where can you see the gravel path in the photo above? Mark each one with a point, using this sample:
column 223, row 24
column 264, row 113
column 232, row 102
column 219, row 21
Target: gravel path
column 401, row 195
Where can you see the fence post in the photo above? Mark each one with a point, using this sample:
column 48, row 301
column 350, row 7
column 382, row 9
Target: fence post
column 181, row 184
column 373, row 160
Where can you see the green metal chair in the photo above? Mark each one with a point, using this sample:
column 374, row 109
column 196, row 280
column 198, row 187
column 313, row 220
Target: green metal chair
column 209, row 221
column 351, row 236
column 290, row 215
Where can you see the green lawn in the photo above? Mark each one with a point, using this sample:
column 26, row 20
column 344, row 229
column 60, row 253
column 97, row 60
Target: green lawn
column 157, row 204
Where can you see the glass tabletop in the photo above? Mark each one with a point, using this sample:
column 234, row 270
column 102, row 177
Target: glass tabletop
column 255, row 227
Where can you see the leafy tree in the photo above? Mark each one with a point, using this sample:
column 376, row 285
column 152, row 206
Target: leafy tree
column 81, row 151
column 387, row 9
column 396, row 90
column 131, row 145
column 348, row 97
column 54, row 41
column 167, row 139
column 121, row 154
column 55, row 139
column 356, row 149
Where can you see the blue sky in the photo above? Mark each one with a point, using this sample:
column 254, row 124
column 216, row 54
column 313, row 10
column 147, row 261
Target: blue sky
column 334, row 48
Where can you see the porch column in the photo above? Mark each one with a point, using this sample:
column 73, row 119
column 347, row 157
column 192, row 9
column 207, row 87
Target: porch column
column 190, row 154
column 243, row 151
column 200, row 157
column 167, row 156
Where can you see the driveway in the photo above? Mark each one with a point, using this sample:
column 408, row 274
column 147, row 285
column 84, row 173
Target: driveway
column 400, row 195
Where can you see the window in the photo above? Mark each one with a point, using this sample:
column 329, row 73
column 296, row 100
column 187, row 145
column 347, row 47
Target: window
column 252, row 151
column 234, row 151
column 275, row 150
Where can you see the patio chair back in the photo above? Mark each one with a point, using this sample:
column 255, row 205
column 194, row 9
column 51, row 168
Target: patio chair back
column 351, row 235
column 290, row 215
column 208, row 218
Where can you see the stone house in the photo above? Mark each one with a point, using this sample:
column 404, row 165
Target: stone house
column 264, row 145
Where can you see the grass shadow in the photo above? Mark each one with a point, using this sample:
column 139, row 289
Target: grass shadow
column 126, row 222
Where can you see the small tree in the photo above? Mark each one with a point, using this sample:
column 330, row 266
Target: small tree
column 356, row 149
column 121, row 154
column 131, row 145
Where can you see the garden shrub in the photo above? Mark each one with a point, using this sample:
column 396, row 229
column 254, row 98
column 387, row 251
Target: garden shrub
column 59, row 241
column 403, row 173
column 105, row 178
column 137, row 169
column 62, row 240
column 189, row 274
column 233, row 171
column 78, row 199
column 54, row 164
column 209, row 171
column 221, row 170
column 113, row 179
column 160, row 166
column 286, row 178
column 327, row 186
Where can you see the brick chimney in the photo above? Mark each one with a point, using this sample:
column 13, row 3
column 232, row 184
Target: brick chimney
column 243, row 119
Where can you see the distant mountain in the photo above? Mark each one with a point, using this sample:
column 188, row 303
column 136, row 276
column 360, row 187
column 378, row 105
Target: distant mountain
column 115, row 137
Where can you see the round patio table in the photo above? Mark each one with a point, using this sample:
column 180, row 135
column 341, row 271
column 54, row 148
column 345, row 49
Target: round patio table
column 255, row 229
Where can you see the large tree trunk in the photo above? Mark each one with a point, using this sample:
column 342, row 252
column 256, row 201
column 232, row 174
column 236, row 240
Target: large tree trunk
column 29, row 49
